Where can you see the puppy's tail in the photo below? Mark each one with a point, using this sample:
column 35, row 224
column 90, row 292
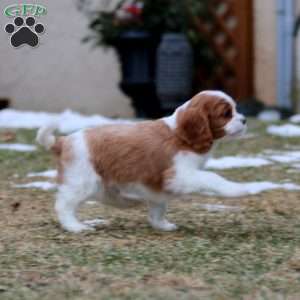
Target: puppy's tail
column 45, row 136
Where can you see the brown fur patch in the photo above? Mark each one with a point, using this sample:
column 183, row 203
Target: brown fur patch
column 140, row 153
column 193, row 128
column 62, row 150
column 203, row 121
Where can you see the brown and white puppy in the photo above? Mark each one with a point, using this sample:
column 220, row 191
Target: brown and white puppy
column 149, row 161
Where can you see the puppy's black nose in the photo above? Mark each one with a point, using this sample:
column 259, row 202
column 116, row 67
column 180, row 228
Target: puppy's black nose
column 244, row 120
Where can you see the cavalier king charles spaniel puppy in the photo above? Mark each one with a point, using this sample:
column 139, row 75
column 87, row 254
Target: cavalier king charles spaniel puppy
column 149, row 161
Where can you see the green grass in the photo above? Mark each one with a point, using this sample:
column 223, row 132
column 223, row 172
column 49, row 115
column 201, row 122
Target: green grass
column 251, row 254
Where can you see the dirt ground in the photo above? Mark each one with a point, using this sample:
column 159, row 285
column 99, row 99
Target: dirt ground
column 250, row 253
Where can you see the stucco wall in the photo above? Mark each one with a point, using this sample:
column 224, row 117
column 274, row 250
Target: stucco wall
column 297, row 9
column 62, row 72
column 265, row 53
column 296, row 92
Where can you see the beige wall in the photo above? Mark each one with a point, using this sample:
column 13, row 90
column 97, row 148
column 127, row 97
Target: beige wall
column 296, row 91
column 62, row 72
column 265, row 50
column 297, row 4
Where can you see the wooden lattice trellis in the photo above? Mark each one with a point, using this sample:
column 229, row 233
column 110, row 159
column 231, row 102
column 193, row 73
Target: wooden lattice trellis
column 228, row 31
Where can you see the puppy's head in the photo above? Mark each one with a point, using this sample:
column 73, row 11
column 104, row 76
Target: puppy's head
column 209, row 116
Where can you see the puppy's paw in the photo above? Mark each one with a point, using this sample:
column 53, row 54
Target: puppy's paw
column 164, row 225
column 255, row 188
column 247, row 188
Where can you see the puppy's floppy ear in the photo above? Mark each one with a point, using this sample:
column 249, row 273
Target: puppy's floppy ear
column 193, row 128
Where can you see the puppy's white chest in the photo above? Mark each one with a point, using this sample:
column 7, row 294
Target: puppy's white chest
column 185, row 161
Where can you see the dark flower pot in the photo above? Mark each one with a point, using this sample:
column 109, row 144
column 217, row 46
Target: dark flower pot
column 174, row 70
column 137, row 54
column 4, row 103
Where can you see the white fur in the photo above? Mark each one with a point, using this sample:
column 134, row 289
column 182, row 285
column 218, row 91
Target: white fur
column 219, row 94
column 80, row 183
column 45, row 136
column 235, row 127
column 189, row 178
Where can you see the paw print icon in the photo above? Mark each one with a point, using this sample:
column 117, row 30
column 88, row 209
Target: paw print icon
column 24, row 32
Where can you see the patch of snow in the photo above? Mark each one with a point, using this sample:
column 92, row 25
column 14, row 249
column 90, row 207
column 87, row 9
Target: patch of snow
column 254, row 188
column 18, row 147
column 269, row 115
column 284, row 157
column 287, row 130
column 10, row 118
column 219, row 207
column 230, row 162
column 67, row 121
column 267, row 158
column 90, row 202
column 48, row 173
column 295, row 168
column 288, row 186
column 96, row 222
column 39, row 185
column 72, row 121
column 295, row 119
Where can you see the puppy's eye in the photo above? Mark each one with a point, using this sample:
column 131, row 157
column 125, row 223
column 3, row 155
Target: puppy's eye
column 227, row 113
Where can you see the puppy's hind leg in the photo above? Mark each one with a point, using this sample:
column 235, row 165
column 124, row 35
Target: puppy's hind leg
column 69, row 198
column 157, row 217
column 80, row 182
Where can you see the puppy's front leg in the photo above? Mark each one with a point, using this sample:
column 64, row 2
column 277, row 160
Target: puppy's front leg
column 157, row 216
column 205, row 182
